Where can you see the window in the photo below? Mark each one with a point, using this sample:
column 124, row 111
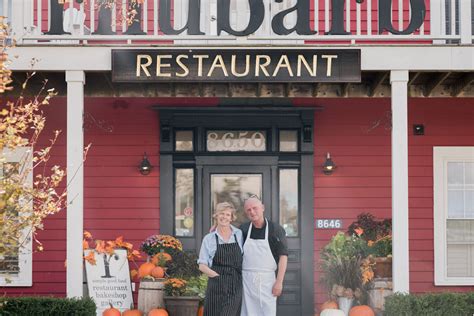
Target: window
column 17, row 270
column 184, row 202
column 289, row 204
column 453, row 170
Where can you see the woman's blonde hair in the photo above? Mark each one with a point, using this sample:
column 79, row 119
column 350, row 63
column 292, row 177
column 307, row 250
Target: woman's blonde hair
column 224, row 206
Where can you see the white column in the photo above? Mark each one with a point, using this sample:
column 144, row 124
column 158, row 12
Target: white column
column 465, row 21
column 75, row 178
column 400, row 264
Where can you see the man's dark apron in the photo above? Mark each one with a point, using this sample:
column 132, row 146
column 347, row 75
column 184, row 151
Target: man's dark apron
column 224, row 292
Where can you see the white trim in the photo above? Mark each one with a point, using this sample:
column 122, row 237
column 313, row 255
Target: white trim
column 75, row 179
column 25, row 276
column 416, row 58
column 441, row 157
column 401, row 266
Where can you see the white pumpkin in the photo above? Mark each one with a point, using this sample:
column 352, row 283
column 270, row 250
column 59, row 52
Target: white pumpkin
column 332, row 312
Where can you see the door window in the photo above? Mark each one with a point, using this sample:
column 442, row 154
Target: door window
column 235, row 188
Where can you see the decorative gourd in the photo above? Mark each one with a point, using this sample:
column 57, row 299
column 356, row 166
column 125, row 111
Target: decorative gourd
column 145, row 269
column 200, row 311
column 158, row 312
column 158, row 272
column 361, row 310
column 111, row 311
column 332, row 312
column 329, row 305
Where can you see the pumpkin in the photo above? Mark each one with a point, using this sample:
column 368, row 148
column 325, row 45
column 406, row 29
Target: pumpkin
column 329, row 305
column 161, row 255
column 158, row 312
column 361, row 310
column 200, row 311
column 332, row 312
column 111, row 311
column 158, row 272
column 132, row 312
column 145, row 269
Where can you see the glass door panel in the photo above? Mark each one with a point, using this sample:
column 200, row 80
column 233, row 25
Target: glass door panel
column 235, row 188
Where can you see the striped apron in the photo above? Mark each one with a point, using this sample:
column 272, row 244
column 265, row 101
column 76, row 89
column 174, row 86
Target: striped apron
column 224, row 292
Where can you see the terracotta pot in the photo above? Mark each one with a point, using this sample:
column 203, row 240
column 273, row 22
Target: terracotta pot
column 383, row 267
column 182, row 305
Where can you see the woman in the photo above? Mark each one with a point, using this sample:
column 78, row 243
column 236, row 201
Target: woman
column 220, row 259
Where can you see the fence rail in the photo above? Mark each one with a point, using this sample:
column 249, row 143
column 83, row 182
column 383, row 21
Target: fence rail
column 141, row 21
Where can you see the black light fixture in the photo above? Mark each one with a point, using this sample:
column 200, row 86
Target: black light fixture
column 418, row 129
column 329, row 165
column 145, row 166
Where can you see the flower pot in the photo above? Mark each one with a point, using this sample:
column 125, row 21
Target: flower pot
column 345, row 304
column 182, row 305
column 383, row 267
column 150, row 295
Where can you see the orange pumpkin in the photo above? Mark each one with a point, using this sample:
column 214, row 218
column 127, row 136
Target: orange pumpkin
column 158, row 312
column 200, row 311
column 361, row 310
column 158, row 272
column 160, row 256
column 145, row 269
column 111, row 311
column 132, row 312
column 329, row 305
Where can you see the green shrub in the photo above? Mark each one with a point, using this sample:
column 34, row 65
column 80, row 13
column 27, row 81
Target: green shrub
column 432, row 304
column 46, row 306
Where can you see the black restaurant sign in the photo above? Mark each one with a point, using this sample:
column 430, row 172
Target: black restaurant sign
column 236, row 65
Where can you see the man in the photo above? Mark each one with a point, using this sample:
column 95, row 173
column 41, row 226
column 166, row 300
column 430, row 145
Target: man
column 265, row 251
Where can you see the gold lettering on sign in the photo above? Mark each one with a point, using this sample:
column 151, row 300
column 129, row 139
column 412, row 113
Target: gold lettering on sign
column 311, row 70
column 285, row 63
column 263, row 66
column 233, row 69
column 200, row 58
column 143, row 66
column 329, row 64
column 159, row 65
column 218, row 63
column 183, row 66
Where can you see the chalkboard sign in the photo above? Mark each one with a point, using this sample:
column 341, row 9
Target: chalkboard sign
column 108, row 281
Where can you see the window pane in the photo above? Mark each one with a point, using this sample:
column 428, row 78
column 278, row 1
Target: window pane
column 184, row 140
column 460, row 260
column 10, row 262
column 235, row 188
column 289, row 201
column 455, row 173
column 455, row 204
column 184, row 202
column 469, row 171
column 288, row 141
column 469, row 194
column 236, row 141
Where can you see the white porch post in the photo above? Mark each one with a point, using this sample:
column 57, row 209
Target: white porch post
column 75, row 178
column 400, row 266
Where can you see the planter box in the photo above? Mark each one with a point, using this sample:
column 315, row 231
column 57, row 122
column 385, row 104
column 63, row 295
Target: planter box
column 182, row 305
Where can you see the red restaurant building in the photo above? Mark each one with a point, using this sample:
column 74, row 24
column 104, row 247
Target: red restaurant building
column 229, row 99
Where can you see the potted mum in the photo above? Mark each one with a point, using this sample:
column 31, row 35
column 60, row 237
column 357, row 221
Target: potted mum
column 378, row 235
column 152, row 273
